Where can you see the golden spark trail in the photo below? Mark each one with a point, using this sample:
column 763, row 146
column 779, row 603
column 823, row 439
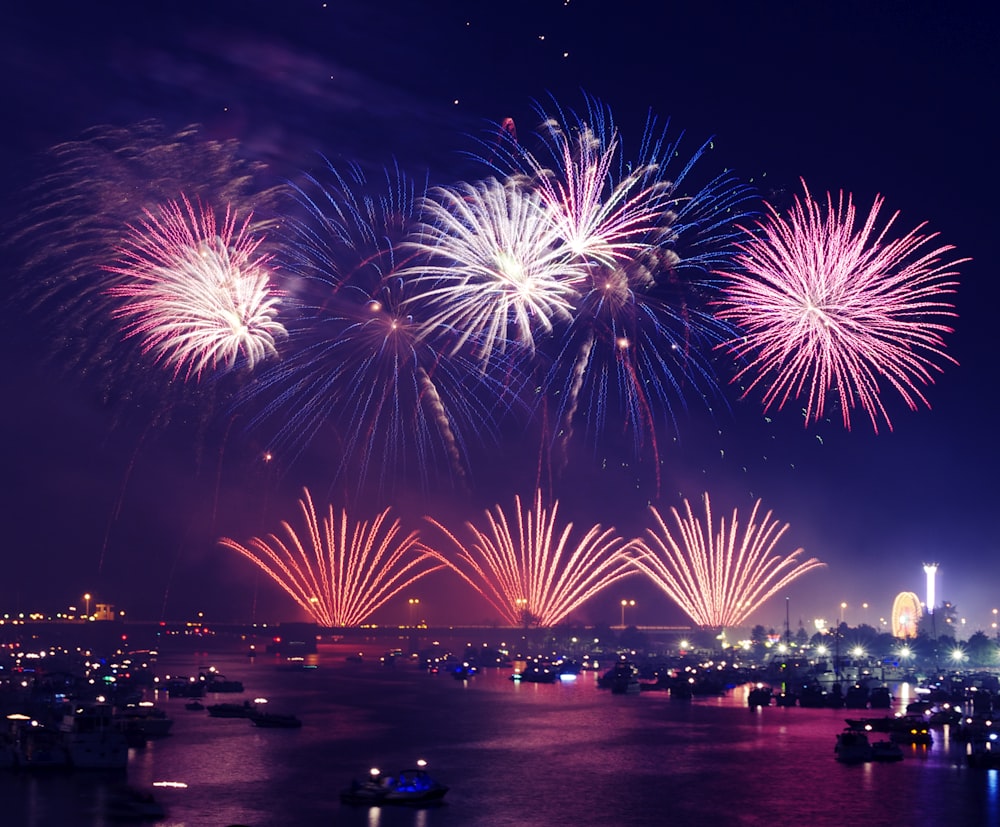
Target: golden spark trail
column 344, row 572
column 719, row 578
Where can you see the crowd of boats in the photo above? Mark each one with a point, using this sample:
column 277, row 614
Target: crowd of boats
column 82, row 713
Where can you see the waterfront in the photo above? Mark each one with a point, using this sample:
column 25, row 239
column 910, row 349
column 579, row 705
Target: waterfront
column 565, row 753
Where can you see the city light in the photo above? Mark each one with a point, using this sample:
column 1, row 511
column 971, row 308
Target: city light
column 629, row 604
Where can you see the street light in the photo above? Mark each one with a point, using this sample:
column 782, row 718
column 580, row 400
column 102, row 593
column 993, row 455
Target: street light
column 414, row 602
column 630, row 604
column 86, row 599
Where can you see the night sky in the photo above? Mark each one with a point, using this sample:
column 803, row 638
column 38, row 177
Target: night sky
column 119, row 480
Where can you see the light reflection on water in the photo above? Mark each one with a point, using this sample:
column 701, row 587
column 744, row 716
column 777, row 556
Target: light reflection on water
column 565, row 753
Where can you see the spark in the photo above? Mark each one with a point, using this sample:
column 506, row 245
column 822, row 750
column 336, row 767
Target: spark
column 718, row 576
column 359, row 360
column 339, row 572
column 826, row 310
column 197, row 292
column 531, row 572
column 647, row 237
column 492, row 266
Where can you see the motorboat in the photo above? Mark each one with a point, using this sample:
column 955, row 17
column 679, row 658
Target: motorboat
column 132, row 804
column 275, row 720
column 886, row 751
column 984, row 757
column 93, row 740
column 231, row 710
column 40, row 748
column 852, row 747
column 410, row 787
column 145, row 718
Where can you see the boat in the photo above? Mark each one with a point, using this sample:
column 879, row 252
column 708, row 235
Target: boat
column 886, row 751
column 760, row 695
column 40, row 748
column 621, row 679
column 911, row 729
column 93, row 740
column 231, row 710
column 852, row 747
column 275, row 720
column 412, row 787
column 145, row 718
column 983, row 757
column 132, row 804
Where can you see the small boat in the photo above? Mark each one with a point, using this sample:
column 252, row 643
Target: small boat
column 886, row 751
column 853, row 747
column 132, row 804
column 93, row 740
column 145, row 718
column 243, row 710
column 759, row 696
column 413, row 787
column 275, row 720
column 983, row 757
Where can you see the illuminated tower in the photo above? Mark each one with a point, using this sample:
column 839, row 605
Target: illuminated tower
column 930, row 569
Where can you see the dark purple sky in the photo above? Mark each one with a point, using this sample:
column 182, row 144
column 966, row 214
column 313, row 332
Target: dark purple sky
column 898, row 101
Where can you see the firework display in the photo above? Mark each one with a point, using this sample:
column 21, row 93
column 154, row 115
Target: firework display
column 196, row 292
column 719, row 575
column 825, row 309
column 527, row 567
column 359, row 361
column 404, row 342
column 494, row 260
column 646, row 236
column 339, row 572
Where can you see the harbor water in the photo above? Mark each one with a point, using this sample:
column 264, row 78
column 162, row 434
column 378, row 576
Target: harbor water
column 511, row 753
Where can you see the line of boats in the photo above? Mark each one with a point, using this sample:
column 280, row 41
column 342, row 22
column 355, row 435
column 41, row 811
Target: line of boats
column 93, row 735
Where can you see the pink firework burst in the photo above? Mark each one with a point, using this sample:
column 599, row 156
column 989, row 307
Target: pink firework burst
column 197, row 293
column 827, row 309
column 531, row 572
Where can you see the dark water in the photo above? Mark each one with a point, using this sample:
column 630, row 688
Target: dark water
column 512, row 754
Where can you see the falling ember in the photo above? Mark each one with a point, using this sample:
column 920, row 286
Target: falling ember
column 531, row 574
column 342, row 572
column 719, row 576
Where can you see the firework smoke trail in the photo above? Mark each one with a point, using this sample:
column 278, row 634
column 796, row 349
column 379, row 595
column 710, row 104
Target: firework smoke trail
column 531, row 575
column 490, row 266
column 340, row 572
column 719, row 577
column 88, row 191
column 359, row 361
column 440, row 414
column 823, row 308
column 196, row 292
column 638, row 343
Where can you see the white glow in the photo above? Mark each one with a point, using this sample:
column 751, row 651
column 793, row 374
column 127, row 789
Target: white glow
column 930, row 569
